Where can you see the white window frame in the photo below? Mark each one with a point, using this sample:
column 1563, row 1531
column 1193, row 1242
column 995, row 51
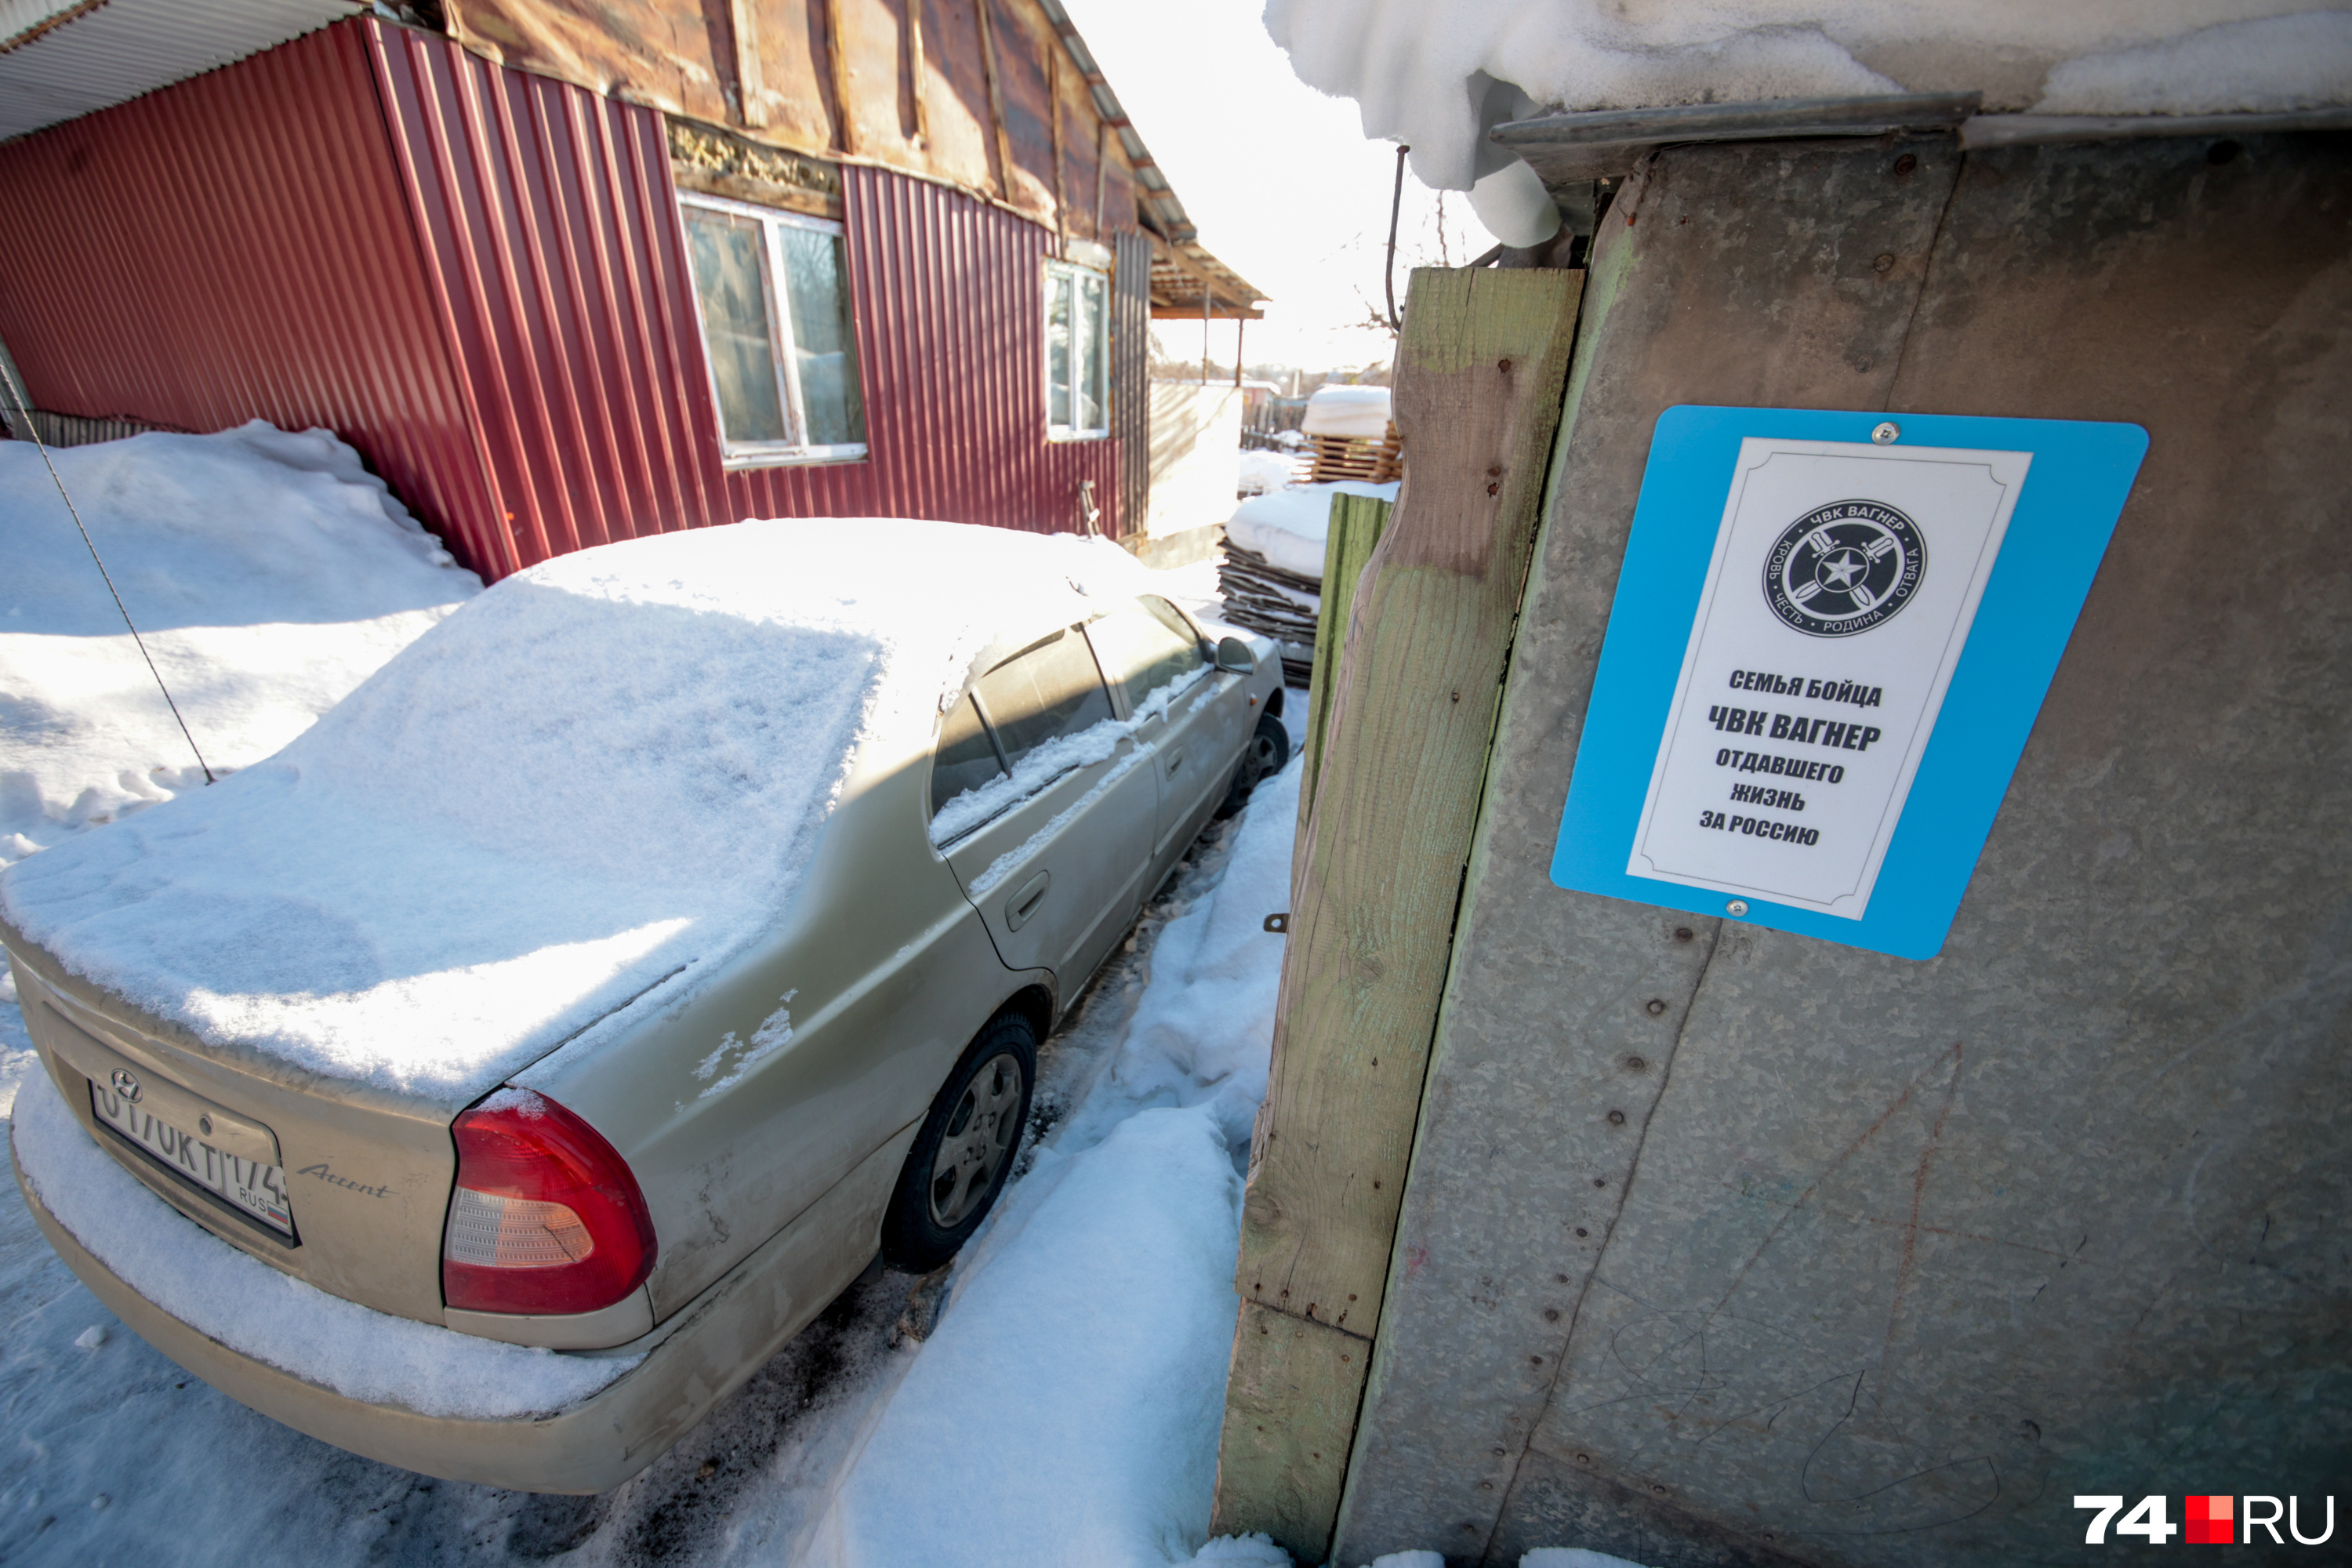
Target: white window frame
column 1096, row 344
column 794, row 449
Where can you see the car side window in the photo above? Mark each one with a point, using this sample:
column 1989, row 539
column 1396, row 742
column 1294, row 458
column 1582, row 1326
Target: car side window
column 1145, row 646
column 1047, row 690
column 966, row 758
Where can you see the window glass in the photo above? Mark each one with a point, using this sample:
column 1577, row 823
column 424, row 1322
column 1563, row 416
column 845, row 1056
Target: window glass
column 1145, row 646
column 1077, row 350
column 1094, row 411
column 1058, row 328
column 730, row 282
column 966, row 758
column 1048, row 688
column 817, row 287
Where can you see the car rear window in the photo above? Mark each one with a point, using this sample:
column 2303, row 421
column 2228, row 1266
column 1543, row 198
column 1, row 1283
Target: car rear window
column 1144, row 647
column 966, row 758
column 1050, row 687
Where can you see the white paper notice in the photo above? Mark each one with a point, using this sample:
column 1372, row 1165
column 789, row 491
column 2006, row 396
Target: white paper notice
column 1841, row 592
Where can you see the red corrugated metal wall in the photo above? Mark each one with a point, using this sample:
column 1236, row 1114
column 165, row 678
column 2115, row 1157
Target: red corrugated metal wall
column 549, row 225
column 547, row 221
column 236, row 247
column 483, row 287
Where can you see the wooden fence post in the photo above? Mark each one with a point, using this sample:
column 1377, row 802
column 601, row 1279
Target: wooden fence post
column 1480, row 373
column 1356, row 525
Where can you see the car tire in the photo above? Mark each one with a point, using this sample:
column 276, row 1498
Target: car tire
column 1267, row 753
column 965, row 1149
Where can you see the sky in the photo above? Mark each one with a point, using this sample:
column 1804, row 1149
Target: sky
column 1285, row 187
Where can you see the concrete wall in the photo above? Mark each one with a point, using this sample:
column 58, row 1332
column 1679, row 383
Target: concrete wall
column 1196, row 455
column 1727, row 1246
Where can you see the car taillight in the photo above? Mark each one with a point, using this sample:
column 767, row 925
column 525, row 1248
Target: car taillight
column 546, row 1217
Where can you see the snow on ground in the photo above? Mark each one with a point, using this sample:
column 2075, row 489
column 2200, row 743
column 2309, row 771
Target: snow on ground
column 1290, row 527
column 269, row 573
column 1041, row 1423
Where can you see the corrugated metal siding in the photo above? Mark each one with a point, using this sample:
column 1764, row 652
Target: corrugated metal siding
column 949, row 300
column 237, row 247
column 549, row 223
column 1130, row 371
column 477, row 276
column 549, row 226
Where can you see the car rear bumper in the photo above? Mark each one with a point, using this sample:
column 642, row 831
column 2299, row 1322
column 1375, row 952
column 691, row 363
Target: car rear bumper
column 690, row 1362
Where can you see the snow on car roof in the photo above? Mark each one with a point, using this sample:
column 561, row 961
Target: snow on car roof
column 606, row 770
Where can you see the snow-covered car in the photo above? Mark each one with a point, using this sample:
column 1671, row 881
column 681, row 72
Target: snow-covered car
column 499, row 1075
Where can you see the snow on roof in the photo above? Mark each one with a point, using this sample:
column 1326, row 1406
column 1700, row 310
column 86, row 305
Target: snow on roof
column 1438, row 74
column 1290, row 527
column 601, row 771
column 1338, row 409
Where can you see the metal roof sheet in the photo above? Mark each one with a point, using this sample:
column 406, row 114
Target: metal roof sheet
column 59, row 60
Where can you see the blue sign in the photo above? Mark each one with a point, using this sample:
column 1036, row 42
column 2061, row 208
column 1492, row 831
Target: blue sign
column 1831, row 638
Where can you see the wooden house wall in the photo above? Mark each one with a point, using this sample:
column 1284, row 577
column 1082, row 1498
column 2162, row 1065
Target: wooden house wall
column 868, row 95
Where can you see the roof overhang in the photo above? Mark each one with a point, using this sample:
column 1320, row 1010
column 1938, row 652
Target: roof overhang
column 63, row 59
column 1569, row 149
column 1188, row 284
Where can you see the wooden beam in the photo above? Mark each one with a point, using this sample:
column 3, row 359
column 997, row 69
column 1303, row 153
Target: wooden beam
column 742, row 16
column 836, row 64
column 1001, row 140
column 1480, row 372
column 1054, row 93
column 1102, row 173
column 916, row 70
column 1356, row 525
column 1290, row 1415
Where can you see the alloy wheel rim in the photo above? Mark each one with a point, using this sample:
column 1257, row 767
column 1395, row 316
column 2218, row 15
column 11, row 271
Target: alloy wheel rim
column 979, row 1137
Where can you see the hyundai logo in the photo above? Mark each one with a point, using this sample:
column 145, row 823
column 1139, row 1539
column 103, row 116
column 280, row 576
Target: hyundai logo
column 124, row 1084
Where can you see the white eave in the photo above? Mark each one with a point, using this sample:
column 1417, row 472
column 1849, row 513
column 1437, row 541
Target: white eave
column 60, row 58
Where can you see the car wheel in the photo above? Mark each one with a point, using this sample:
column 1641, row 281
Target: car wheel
column 965, row 1149
column 1268, row 753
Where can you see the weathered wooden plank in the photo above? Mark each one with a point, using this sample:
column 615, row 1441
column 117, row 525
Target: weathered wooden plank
column 1290, row 1413
column 1480, row 372
column 1355, row 526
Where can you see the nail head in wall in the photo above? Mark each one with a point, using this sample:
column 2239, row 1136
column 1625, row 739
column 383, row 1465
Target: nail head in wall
column 1635, row 1064
column 1682, row 934
column 1616, row 1119
column 1597, row 1181
column 1655, row 1007
column 1905, row 164
column 1580, row 1231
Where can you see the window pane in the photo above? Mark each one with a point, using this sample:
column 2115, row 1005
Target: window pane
column 1095, row 335
column 825, row 352
column 1050, row 690
column 1145, row 647
column 730, row 283
column 965, row 759
column 1057, row 349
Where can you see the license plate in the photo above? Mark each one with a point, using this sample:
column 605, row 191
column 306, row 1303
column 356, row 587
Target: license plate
column 254, row 1189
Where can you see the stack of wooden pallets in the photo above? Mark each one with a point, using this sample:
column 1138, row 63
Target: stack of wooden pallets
column 1341, row 457
column 1266, row 599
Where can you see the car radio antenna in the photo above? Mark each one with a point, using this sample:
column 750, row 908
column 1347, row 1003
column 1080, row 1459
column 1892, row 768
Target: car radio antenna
column 17, row 395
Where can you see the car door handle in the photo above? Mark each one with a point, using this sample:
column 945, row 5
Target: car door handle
column 1024, row 902
column 1175, row 761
